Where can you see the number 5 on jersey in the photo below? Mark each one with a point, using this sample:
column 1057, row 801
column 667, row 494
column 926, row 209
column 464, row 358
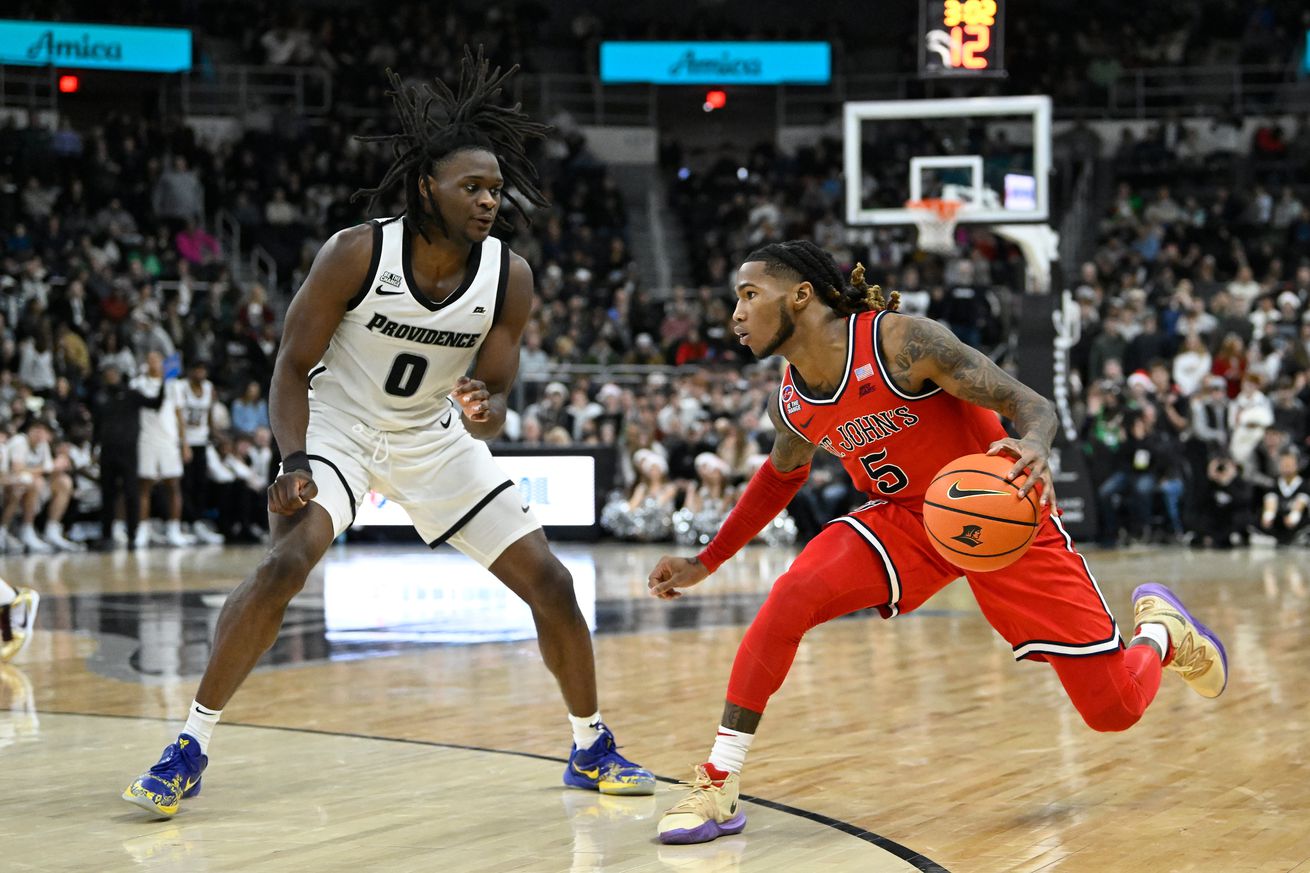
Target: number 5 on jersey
column 888, row 477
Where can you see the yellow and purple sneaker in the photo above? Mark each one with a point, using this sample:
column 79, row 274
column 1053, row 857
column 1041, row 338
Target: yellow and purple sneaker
column 1195, row 651
column 709, row 810
column 17, row 621
column 601, row 768
column 177, row 775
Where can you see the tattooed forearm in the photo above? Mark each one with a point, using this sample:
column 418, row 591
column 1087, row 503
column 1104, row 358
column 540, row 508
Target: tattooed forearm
column 929, row 352
column 789, row 450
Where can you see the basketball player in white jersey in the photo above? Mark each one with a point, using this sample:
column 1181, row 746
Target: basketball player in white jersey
column 195, row 399
column 369, row 391
column 161, row 452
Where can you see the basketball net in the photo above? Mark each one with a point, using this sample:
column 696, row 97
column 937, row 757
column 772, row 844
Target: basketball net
column 936, row 220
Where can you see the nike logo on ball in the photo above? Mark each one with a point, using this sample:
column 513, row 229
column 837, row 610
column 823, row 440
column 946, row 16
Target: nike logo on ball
column 955, row 492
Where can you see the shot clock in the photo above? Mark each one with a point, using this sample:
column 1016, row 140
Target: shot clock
column 962, row 38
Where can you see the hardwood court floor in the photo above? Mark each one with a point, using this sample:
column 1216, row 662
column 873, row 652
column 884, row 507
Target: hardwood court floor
column 370, row 739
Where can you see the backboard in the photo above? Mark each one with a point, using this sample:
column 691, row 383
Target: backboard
column 993, row 153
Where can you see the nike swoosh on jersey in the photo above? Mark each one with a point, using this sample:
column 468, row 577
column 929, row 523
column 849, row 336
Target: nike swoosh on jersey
column 382, row 290
column 807, row 421
column 445, row 422
column 955, row 492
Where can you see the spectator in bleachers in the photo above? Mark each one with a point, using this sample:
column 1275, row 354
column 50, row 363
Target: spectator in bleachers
column 1286, row 502
column 1229, row 363
column 195, row 398
column 178, row 194
column 250, row 410
column 549, row 412
column 161, row 453
column 706, row 502
column 1262, row 468
column 1191, row 366
column 1144, row 464
column 1290, row 415
column 36, row 365
column 646, row 513
column 238, row 503
column 1249, row 414
column 115, row 408
column 35, row 482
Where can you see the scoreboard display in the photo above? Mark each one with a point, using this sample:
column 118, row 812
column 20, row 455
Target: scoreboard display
column 962, row 38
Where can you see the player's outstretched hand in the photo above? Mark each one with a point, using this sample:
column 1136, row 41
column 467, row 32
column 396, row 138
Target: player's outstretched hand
column 1033, row 457
column 473, row 398
column 672, row 573
column 291, row 492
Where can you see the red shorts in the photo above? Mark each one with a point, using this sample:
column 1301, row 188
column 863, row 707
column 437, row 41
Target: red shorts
column 1045, row 603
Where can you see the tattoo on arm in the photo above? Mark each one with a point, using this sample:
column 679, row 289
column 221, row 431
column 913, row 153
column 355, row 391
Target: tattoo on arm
column 929, row 351
column 789, row 451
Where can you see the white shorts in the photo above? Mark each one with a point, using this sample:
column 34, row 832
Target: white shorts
column 29, row 479
column 447, row 481
column 158, row 460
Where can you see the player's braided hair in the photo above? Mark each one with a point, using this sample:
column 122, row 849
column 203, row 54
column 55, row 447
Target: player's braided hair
column 436, row 122
column 809, row 263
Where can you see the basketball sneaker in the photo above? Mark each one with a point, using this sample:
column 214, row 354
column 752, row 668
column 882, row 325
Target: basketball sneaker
column 711, row 809
column 601, row 768
column 17, row 621
column 177, row 775
column 1195, row 652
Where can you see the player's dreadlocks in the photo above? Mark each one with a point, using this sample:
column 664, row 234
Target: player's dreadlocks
column 437, row 122
column 809, row 263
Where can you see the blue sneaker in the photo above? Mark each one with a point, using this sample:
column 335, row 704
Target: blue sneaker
column 601, row 768
column 177, row 775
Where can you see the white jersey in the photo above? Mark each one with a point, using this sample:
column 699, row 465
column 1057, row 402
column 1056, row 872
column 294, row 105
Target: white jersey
column 35, row 459
column 195, row 410
column 394, row 359
column 158, row 425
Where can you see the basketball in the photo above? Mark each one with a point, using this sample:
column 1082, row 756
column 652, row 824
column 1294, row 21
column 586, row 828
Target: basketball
column 975, row 518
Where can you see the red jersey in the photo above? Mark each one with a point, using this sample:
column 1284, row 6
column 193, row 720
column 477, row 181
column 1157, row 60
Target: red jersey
column 891, row 442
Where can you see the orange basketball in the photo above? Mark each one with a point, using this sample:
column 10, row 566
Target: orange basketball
column 975, row 518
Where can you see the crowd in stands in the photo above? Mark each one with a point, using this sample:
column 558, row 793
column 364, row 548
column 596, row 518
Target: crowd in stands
column 1195, row 344
column 111, row 280
column 106, row 263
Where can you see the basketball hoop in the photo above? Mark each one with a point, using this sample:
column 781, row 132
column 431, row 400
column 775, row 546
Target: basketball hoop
column 936, row 219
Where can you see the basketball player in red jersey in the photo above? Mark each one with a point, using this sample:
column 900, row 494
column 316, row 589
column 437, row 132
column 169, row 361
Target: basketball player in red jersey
column 895, row 398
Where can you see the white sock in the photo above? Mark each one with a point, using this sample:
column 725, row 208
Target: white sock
column 200, row 723
column 730, row 748
column 586, row 730
column 7, row 593
column 174, row 526
column 1156, row 633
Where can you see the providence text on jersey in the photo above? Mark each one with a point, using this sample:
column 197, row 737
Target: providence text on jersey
column 423, row 335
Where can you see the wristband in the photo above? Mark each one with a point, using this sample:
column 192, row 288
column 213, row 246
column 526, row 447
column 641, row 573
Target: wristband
column 296, row 462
